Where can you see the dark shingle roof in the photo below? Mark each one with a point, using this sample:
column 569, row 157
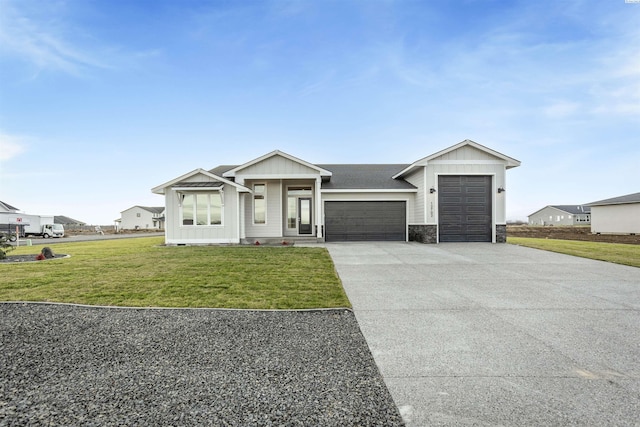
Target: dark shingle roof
column 65, row 220
column 8, row 206
column 153, row 209
column 573, row 209
column 205, row 184
column 219, row 170
column 359, row 176
column 365, row 177
column 629, row 198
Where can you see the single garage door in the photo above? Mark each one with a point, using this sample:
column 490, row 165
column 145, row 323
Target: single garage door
column 464, row 208
column 360, row 221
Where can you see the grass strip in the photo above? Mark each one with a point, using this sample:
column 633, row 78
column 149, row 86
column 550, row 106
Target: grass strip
column 141, row 273
column 611, row 252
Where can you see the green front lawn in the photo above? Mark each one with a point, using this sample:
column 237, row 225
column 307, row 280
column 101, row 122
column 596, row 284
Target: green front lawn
column 141, row 273
column 611, row 252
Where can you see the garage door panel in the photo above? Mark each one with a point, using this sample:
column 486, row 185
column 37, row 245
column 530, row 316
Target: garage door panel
column 362, row 221
column 464, row 208
column 477, row 209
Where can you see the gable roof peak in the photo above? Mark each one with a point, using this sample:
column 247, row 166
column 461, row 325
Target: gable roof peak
column 232, row 173
column 510, row 162
column 160, row 189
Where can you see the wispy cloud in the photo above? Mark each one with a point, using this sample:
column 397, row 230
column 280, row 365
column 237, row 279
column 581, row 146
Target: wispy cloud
column 11, row 146
column 44, row 42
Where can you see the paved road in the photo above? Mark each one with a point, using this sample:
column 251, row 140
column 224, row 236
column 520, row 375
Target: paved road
column 485, row 334
column 87, row 237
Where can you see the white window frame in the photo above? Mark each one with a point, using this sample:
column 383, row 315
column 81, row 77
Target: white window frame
column 195, row 213
column 253, row 203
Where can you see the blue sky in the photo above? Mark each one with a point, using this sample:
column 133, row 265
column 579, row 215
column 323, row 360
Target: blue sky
column 102, row 100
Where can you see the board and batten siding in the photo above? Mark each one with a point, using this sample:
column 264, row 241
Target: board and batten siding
column 616, row 219
column 419, row 213
column 176, row 233
column 276, row 166
column 274, row 214
column 466, row 153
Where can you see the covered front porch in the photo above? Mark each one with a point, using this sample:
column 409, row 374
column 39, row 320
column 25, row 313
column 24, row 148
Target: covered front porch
column 281, row 210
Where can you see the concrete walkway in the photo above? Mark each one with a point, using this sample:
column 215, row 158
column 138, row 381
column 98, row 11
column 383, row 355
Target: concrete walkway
column 496, row 334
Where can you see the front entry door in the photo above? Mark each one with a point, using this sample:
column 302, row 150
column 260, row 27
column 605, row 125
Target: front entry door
column 304, row 216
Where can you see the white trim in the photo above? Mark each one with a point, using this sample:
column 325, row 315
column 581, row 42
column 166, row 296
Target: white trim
column 370, row 190
column 189, row 189
column 317, row 199
column 253, row 203
column 466, row 162
column 196, row 242
column 275, row 177
column 285, row 202
column 239, row 217
column 425, row 214
column 181, row 214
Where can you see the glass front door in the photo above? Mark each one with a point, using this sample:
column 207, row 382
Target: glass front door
column 299, row 211
column 304, row 218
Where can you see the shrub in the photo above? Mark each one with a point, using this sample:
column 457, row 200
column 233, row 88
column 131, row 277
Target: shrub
column 5, row 246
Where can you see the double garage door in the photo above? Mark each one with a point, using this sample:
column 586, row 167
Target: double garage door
column 361, row 221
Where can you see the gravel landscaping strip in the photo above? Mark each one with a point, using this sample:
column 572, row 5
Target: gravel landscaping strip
column 92, row 366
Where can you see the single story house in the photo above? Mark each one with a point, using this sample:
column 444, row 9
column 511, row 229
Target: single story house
column 68, row 222
column 141, row 218
column 6, row 207
column 561, row 215
column 618, row 215
column 454, row 195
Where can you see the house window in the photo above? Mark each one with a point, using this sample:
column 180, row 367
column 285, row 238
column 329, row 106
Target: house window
column 202, row 209
column 259, row 204
column 138, row 214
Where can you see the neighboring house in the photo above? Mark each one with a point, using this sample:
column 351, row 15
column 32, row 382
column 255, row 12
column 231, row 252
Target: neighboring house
column 5, row 207
column 619, row 215
column 561, row 215
column 67, row 222
column 456, row 194
column 142, row 218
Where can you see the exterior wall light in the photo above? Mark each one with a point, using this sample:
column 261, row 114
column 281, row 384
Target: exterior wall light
column 432, row 190
column 501, row 190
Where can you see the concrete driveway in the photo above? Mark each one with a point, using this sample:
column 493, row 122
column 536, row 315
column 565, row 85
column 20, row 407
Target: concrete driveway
column 496, row 334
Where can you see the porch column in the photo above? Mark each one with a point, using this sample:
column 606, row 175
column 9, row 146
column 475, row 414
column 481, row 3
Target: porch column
column 241, row 197
column 319, row 220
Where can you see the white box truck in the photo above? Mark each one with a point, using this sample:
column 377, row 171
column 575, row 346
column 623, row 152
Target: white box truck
column 29, row 225
column 42, row 225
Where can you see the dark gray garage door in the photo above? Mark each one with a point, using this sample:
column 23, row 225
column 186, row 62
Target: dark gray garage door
column 358, row 221
column 464, row 208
